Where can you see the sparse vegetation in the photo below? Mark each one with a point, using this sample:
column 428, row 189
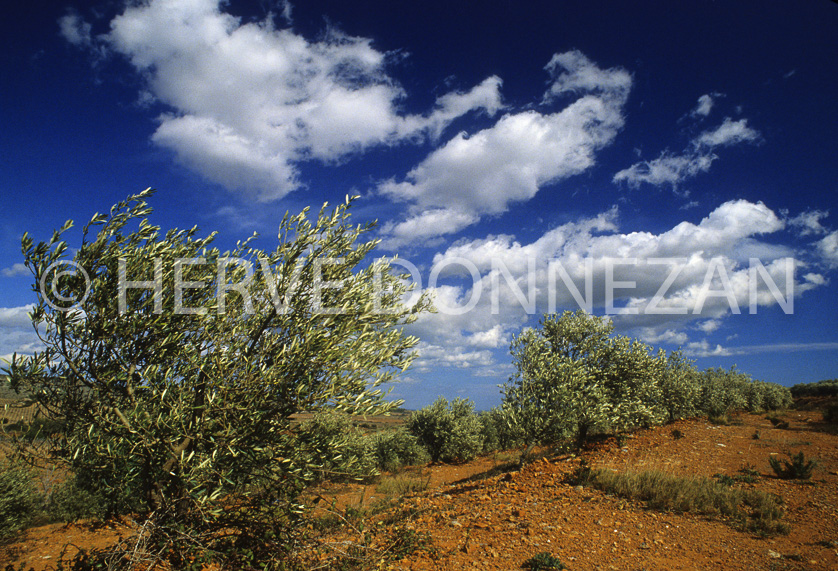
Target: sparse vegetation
column 777, row 422
column 797, row 469
column 751, row 509
column 401, row 484
column 186, row 418
column 543, row 561
column 18, row 499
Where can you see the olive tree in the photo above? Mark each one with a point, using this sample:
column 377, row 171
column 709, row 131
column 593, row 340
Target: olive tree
column 679, row 387
column 450, row 432
column 573, row 375
column 176, row 367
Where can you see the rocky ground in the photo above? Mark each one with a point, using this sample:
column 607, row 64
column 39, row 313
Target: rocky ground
column 500, row 521
column 486, row 515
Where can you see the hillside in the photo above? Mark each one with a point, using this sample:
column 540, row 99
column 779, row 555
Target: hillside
column 487, row 514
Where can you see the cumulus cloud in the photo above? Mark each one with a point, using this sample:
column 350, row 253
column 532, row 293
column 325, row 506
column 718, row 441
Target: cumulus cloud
column 479, row 174
column 662, row 285
column 248, row 102
column 672, row 169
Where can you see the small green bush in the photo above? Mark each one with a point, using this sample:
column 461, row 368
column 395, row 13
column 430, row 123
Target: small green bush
column 402, row 484
column 543, row 561
column 497, row 432
column 334, row 448
column 69, row 501
column 777, row 422
column 394, row 449
column 798, row 469
column 18, row 499
column 449, row 433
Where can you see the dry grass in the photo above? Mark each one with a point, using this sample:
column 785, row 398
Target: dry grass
column 749, row 509
column 401, row 484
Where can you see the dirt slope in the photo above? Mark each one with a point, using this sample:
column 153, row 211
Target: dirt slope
column 475, row 521
column 501, row 521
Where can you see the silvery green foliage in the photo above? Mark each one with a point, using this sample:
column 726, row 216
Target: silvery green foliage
column 396, row 448
column 497, row 432
column 679, row 387
column 573, row 376
column 18, row 499
column 723, row 391
column 183, row 412
column 450, row 433
column 775, row 397
column 334, row 449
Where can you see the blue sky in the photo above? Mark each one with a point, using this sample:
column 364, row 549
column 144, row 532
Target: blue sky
column 503, row 138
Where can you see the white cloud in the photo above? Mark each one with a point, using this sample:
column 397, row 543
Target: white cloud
column 704, row 105
column 698, row 157
column 704, row 349
column 18, row 269
column 15, row 317
column 248, row 102
column 710, row 325
column 729, row 133
column 75, row 30
column 16, row 332
column 666, row 169
column 828, row 249
column 809, row 222
column 480, row 174
column 701, row 271
column 653, row 336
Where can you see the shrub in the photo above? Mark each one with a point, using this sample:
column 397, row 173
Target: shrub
column 543, row 561
column 798, row 469
column 185, row 403
column 572, row 376
column 449, row 433
column 721, row 392
column 70, row 501
column 401, row 484
column 396, row 448
column 335, row 448
column 830, row 414
column 820, row 389
column 679, row 387
column 777, row 422
column 497, row 431
column 18, row 499
column 750, row 509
